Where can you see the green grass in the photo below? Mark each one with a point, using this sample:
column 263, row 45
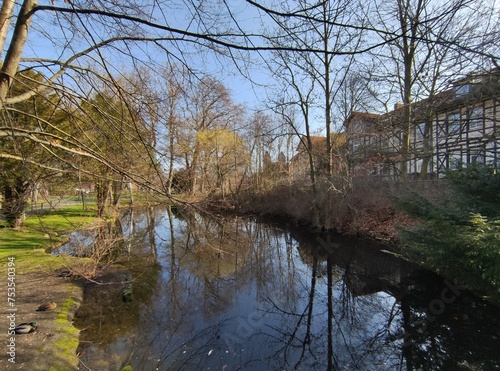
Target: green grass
column 39, row 233
column 45, row 230
column 28, row 246
column 60, row 220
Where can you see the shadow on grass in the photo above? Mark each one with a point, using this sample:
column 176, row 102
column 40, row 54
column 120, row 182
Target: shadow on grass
column 42, row 231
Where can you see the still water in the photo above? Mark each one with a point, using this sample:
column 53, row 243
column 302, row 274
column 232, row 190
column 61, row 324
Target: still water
column 229, row 293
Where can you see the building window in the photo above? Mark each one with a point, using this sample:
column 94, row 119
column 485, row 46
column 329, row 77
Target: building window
column 477, row 156
column 455, row 162
column 453, row 123
column 419, row 132
column 476, row 116
column 463, row 90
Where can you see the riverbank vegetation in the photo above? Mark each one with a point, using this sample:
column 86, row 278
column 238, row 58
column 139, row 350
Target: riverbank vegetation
column 39, row 233
column 36, row 281
column 459, row 234
column 364, row 207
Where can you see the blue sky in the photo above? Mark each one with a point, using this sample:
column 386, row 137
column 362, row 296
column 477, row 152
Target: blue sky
column 51, row 40
column 48, row 40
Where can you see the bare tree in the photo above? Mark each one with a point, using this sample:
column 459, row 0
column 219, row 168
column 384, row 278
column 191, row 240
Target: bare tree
column 208, row 107
column 436, row 41
column 87, row 41
column 317, row 77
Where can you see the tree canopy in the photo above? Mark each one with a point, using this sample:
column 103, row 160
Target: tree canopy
column 102, row 63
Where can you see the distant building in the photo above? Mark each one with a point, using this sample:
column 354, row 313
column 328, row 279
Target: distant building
column 454, row 129
column 300, row 163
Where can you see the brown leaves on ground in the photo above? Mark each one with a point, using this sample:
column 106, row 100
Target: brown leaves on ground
column 381, row 224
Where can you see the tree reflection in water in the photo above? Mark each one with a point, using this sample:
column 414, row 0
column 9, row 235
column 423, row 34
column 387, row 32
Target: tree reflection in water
column 233, row 293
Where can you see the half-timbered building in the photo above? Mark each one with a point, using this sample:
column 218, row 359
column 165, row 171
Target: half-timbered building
column 450, row 130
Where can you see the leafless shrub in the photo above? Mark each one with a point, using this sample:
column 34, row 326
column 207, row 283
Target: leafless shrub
column 95, row 249
column 361, row 206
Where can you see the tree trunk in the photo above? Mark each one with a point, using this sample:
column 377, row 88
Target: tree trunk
column 6, row 14
column 328, row 103
column 427, row 155
column 171, row 145
column 13, row 56
column 131, row 191
column 117, row 191
column 15, row 199
column 409, row 25
column 102, row 189
column 192, row 173
column 34, row 193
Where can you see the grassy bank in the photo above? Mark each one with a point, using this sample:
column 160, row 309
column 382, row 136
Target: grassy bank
column 459, row 235
column 39, row 233
column 54, row 344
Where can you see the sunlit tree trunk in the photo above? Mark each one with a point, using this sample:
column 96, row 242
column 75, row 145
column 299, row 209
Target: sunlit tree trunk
column 171, row 148
column 117, row 191
column 409, row 27
column 6, row 13
column 16, row 47
column 102, row 189
column 131, row 191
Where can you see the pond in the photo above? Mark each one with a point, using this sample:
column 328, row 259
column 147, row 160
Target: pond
column 231, row 293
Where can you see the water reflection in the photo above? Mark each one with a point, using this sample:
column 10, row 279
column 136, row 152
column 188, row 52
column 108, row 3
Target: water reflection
column 231, row 294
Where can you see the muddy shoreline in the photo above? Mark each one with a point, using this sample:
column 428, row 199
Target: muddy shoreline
column 53, row 343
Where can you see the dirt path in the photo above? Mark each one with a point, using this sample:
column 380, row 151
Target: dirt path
column 53, row 345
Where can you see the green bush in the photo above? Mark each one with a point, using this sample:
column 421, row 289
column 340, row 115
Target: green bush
column 460, row 236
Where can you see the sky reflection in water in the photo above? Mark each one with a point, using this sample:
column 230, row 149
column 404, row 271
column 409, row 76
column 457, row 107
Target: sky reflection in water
column 235, row 294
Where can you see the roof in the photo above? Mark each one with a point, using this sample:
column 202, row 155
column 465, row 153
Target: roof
column 319, row 142
column 483, row 86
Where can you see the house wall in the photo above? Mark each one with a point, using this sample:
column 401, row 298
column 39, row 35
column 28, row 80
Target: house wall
column 463, row 131
column 467, row 135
